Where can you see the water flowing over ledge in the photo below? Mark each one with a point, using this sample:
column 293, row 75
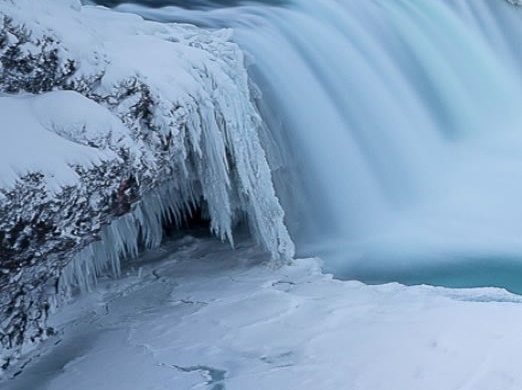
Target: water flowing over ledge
column 406, row 119
column 112, row 127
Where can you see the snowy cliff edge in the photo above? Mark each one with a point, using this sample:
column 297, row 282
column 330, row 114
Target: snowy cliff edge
column 111, row 126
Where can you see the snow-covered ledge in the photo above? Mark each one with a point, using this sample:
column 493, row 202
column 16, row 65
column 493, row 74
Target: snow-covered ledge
column 110, row 125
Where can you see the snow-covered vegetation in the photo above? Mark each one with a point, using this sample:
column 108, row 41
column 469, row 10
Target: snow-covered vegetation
column 111, row 126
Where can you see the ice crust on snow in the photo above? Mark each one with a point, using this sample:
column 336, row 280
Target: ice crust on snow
column 194, row 314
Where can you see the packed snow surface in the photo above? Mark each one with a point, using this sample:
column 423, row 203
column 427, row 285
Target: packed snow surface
column 196, row 315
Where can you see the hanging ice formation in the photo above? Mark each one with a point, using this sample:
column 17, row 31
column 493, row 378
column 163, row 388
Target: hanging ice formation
column 187, row 131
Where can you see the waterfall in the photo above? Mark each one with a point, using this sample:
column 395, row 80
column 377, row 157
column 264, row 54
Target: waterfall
column 401, row 122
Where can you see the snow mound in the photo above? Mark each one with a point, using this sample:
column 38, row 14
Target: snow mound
column 30, row 140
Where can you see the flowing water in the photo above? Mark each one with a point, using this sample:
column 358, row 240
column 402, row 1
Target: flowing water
column 396, row 129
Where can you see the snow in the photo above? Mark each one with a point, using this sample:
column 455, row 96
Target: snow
column 196, row 315
column 30, row 141
column 81, row 120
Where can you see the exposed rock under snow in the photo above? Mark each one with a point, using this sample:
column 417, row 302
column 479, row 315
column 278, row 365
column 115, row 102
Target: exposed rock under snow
column 107, row 118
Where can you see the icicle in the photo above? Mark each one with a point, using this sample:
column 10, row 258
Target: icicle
column 218, row 162
column 120, row 239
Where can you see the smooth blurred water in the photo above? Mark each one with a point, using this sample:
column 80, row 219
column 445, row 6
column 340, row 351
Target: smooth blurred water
column 396, row 126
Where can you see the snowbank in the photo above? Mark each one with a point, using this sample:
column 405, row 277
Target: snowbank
column 110, row 125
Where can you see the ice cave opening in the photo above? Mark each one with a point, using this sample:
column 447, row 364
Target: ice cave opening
column 198, row 220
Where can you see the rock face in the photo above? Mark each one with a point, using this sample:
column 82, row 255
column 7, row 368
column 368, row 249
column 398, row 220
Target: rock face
column 110, row 126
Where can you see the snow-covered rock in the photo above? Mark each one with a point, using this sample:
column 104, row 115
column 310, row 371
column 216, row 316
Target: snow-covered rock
column 111, row 125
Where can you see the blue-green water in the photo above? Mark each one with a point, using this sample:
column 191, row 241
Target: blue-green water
column 457, row 272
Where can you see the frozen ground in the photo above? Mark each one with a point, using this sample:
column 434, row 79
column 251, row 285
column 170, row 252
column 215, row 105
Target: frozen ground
column 196, row 315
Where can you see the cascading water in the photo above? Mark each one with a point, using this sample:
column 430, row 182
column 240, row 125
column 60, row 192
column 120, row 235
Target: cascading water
column 402, row 121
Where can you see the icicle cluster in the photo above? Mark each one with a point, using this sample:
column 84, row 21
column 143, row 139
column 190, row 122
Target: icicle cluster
column 162, row 118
